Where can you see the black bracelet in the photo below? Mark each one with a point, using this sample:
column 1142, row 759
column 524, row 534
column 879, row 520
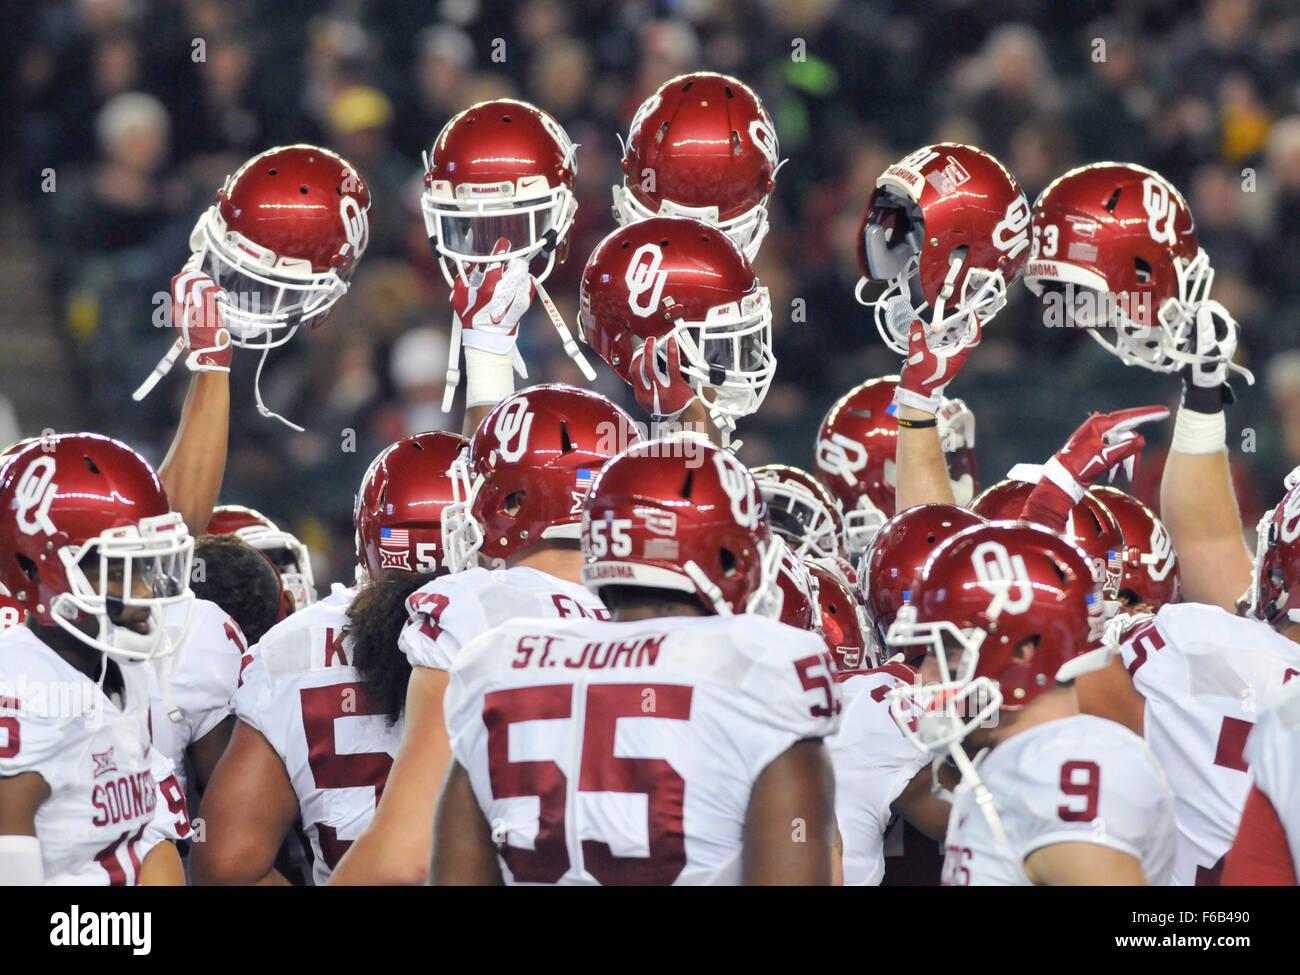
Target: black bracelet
column 917, row 424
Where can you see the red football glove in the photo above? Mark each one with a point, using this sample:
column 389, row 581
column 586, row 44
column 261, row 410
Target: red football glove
column 926, row 372
column 492, row 302
column 197, row 312
column 661, row 394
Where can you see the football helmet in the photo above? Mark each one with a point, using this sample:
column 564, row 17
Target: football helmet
column 399, row 507
column 855, row 456
column 897, row 553
column 283, row 549
column 701, row 146
column 1090, row 525
column 841, row 621
column 1119, row 241
column 526, row 472
column 1271, row 596
column 798, row 590
column 694, row 523
column 1148, row 561
column 947, row 229
column 674, row 276
column 501, row 169
column 801, row 510
column 80, row 512
column 282, row 240
column 982, row 596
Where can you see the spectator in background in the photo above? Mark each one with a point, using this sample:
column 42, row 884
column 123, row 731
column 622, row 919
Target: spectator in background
column 443, row 57
column 358, row 127
column 1010, row 79
column 1282, row 382
column 417, row 369
column 1282, row 154
column 1107, row 108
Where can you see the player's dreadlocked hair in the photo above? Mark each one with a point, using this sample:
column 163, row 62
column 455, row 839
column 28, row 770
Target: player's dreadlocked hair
column 239, row 579
column 375, row 620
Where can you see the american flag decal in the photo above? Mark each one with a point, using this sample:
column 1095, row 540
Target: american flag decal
column 585, row 476
column 394, row 537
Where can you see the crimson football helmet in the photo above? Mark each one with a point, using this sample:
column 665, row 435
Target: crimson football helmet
column 1148, row 562
column 897, row 553
column 855, row 456
column 1120, row 239
column 527, row 470
column 80, row 513
column 801, row 510
column 674, row 276
column 283, row 549
column 499, row 169
column 948, row 229
column 798, row 590
column 282, row 240
column 1017, row 606
column 687, row 520
column 399, row 507
column 840, row 620
column 1276, row 578
column 701, row 146
column 1090, row 525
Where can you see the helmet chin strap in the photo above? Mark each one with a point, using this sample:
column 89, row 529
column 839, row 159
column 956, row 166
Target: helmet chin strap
column 262, row 408
column 983, row 797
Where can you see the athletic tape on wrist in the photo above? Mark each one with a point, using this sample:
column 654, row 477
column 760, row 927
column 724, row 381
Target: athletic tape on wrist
column 1199, row 433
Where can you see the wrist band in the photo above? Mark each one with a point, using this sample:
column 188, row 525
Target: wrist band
column 916, row 424
column 1199, row 433
column 490, row 377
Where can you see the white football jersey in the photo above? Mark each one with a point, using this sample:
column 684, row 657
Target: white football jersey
column 613, row 753
column 1273, row 751
column 1080, row 779
column 873, row 765
column 301, row 692
column 1206, row 676
column 113, row 797
column 449, row 612
column 200, row 676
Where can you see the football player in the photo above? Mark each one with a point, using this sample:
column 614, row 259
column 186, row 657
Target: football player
column 1267, row 848
column 1010, row 615
column 510, row 540
column 283, row 549
column 93, row 553
column 802, row 512
column 325, row 676
column 726, row 709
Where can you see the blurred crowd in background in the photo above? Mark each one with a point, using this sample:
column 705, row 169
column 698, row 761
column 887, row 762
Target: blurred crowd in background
column 113, row 96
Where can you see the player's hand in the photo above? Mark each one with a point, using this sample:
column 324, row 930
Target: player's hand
column 1101, row 445
column 660, row 393
column 198, row 314
column 926, row 372
column 1210, row 343
column 491, row 303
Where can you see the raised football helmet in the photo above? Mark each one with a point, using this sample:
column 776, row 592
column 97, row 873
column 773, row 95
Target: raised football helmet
column 399, row 507
column 282, row 240
column 690, row 521
column 948, row 229
column 81, row 514
column 527, row 470
column 1273, row 588
column 897, row 553
column 677, row 276
column 1018, row 609
column 801, row 510
column 840, row 620
column 855, row 456
column 701, row 146
column 1118, row 243
column 501, row 169
column 1148, row 562
column 1090, row 525
column 289, row 556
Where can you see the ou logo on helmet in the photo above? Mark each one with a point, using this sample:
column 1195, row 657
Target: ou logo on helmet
column 998, row 571
column 841, row 456
column 763, row 135
column 1011, row 235
column 1160, row 561
column 746, row 502
column 1161, row 204
column 645, row 280
column 1289, row 528
column 356, row 225
column 33, row 495
column 513, row 425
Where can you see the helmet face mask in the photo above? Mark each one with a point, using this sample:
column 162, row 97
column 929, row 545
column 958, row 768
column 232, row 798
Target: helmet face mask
column 801, row 511
column 727, row 358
